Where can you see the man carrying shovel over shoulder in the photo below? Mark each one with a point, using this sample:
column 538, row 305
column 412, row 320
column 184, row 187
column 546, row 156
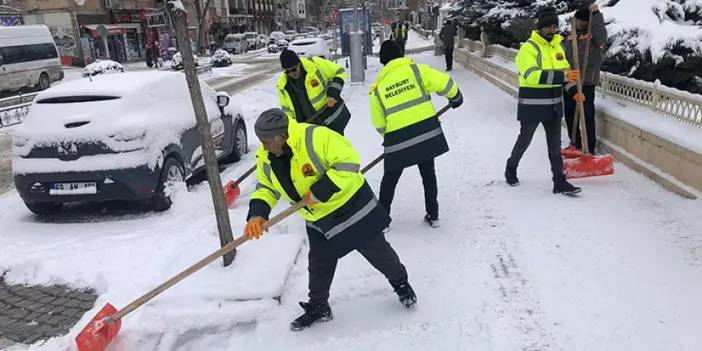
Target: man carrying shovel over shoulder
column 591, row 73
column 310, row 91
column 302, row 161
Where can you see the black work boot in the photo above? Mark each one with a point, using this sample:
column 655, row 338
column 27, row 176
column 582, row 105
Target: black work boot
column 561, row 186
column 511, row 176
column 432, row 221
column 315, row 312
column 405, row 293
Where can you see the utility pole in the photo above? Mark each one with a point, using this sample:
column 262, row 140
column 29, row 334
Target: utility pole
column 203, row 125
column 356, row 39
column 382, row 21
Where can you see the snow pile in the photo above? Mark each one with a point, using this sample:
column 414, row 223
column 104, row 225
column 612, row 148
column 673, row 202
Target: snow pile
column 648, row 39
column 102, row 67
column 221, row 58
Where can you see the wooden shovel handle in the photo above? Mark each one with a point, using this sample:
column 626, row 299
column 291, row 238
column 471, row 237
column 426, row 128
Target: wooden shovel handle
column 202, row 263
column 221, row 252
column 580, row 111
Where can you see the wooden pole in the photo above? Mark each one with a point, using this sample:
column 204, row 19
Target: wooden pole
column 203, row 126
column 580, row 110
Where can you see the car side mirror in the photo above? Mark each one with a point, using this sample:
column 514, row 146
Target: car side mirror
column 2, row 60
column 222, row 99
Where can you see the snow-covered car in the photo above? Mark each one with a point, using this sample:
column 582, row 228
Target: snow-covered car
column 251, row 39
column 128, row 136
column 177, row 61
column 272, row 48
column 310, row 47
column 221, row 58
column 102, row 67
column 235, row 44
column 274, row 36
column 282, row 44
column 290, row 35
column 262, row 41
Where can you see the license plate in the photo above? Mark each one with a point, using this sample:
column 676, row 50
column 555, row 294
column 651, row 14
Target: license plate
column 80, row 188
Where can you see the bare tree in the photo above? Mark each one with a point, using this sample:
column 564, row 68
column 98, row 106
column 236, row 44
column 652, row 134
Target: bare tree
column 201, row 8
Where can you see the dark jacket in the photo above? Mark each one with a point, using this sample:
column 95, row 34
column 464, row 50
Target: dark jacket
column 591, row 76
column 447, row 34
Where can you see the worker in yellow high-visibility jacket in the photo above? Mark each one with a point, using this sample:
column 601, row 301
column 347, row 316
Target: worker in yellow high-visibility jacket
column 402, row 112
column 312, row 88
column 543, row 70
column 299, row 161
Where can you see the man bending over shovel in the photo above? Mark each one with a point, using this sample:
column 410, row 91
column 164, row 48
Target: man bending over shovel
column 298, row 160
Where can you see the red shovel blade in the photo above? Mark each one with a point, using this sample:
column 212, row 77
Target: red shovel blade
column 231, row 193
column 588, row 166
column 571, row 152
column 99, row 333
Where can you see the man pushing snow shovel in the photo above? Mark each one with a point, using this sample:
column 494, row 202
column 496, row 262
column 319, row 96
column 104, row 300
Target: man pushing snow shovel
column 303, row 161
column 543, row 70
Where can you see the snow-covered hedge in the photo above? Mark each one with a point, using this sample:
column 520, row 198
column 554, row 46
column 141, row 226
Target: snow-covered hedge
column 648, row 39
column 177, row 61
column 221, row 58
column 102, row 67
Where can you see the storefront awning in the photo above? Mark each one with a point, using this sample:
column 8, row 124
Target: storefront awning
column 115, row 29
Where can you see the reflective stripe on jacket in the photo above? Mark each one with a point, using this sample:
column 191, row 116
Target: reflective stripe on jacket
column 323, row 78
column 402, row 111
column 323, row 161
column 541, row 67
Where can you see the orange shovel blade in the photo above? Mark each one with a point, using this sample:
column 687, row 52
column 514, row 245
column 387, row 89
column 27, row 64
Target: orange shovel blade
column 571, row 152
column 588, row 166
column 231, row 193
column 99, row 333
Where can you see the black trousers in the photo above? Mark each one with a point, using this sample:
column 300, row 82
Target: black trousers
column 428, row 173
column 569, row 110
column 448, row 53
column 322, row 262
column 553, row 140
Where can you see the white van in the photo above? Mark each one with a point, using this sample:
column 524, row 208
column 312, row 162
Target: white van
column 28, row 57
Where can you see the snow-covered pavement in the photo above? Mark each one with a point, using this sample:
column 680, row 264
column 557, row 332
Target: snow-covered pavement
column 510, row 269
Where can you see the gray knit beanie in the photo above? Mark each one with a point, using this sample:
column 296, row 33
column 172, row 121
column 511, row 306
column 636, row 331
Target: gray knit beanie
column 271, row 122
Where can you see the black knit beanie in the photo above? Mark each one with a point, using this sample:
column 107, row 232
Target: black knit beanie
column 288, row 59
column 389, row 51
column 583, row 14
column 547, row 17
column 271, row 122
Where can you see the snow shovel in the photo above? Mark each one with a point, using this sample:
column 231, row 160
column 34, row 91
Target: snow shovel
column 232, row 190
column 586, row 165
column 103, row 328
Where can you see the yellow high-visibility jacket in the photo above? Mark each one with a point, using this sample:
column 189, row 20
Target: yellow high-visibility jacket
column 541, row 65
column 402, row 111
column 322, row 161
column 323, row 79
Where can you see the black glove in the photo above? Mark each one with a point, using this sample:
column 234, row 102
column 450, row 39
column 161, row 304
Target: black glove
column 457, row 100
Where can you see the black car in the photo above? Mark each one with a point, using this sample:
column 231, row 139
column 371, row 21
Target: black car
column 128, row 136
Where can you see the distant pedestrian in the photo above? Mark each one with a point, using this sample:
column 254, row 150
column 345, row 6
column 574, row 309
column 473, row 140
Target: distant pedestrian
column 149, row 56
column 447, row 34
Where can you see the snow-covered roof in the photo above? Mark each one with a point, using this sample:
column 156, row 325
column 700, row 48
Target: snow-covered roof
column 123, row 85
